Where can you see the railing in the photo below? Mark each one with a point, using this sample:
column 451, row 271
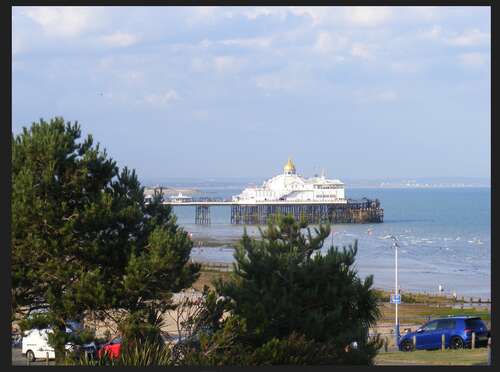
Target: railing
column 339, row 202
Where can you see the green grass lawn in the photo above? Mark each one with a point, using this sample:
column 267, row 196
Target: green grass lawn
column 417, row 312
column 465, row 357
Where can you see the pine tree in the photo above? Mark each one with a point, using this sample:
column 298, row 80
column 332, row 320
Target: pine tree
column 282, row 286
column 84, row 239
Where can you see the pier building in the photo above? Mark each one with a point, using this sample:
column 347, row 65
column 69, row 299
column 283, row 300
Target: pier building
column 315, row 200
column 289, row 186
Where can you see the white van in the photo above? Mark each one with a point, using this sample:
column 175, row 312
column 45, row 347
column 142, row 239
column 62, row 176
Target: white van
column 35, row 344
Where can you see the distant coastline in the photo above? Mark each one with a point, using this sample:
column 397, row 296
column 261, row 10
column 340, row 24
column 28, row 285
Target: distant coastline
column 194, row 188
column 171, row 191
column 188, row 186
column 424, row 186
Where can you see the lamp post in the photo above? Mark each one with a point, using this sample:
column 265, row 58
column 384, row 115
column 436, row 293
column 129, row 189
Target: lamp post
column 396, row 291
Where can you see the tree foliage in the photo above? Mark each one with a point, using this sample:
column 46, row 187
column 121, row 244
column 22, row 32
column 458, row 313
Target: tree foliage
column 83, row 237
column 290, row 304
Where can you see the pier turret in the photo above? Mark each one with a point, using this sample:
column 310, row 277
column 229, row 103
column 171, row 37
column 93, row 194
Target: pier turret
column 289, row 167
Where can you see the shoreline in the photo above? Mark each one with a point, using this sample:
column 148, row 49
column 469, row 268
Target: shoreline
column 383, row 278
column 212, row 271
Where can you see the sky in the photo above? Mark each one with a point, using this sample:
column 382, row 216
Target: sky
column 209, row 92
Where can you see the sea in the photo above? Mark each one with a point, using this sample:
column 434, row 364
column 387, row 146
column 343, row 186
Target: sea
column 444, row 237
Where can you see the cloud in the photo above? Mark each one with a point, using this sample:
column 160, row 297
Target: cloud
column 133, row 76
column 318, row 14
column 199, row 65
column 426, row 13
column 376, row 95
column 327, row 42
column 119, row 39
column 221, row 64
column 256, row 12
column 474, row 59
column 274, row 83
column 405, row 66
column 386, row 96
column 321, row 15
column 471, row 37
column 64, row 21
column 257, row 42
column 202, row 15
column 368, row 16
column 435, row 33
column 161, row 99
column 361, row 51
column 106, row 62
column 227, row 64
column 288, row 80
column 468, row 38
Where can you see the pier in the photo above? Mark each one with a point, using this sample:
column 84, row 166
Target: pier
column 313, row 200
column 313, row 212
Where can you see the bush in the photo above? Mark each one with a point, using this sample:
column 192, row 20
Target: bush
column 143, row 354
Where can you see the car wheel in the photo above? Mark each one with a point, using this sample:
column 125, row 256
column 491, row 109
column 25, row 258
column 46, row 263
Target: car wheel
column 30, row 356
column 456, row 343
column 177, row 353
column 407, row 345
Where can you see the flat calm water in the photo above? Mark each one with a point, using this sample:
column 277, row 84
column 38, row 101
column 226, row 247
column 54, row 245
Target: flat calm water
column 444, row 234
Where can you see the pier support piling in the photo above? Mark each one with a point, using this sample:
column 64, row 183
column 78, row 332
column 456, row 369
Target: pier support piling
column 202, row 215
column 366, row 211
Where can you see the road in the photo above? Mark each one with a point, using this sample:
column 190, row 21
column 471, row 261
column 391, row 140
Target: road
column 18, row 359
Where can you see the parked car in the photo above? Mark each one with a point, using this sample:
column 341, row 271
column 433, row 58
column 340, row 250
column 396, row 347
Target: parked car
column 35, row 344
column 180, row 345
column 111, row 348
column 16, row 339
column 89, row 350
column 457, row 333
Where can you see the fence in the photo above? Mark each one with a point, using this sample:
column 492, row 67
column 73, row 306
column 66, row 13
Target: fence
column 216, row 266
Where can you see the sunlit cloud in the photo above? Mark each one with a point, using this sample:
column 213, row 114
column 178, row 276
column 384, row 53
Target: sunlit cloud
column 64, row 21
column 161, row 100
column 119, row 39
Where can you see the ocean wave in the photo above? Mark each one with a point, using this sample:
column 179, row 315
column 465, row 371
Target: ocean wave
column 385, row 237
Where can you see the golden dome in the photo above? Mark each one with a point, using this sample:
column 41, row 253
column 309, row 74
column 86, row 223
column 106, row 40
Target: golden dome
column 289, row 167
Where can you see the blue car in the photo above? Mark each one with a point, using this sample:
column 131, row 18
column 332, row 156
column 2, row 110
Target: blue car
column 457, row 333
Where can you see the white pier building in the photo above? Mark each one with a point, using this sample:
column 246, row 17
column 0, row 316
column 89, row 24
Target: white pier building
column 291, row 187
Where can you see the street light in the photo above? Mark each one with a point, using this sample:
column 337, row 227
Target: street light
column 396, row 292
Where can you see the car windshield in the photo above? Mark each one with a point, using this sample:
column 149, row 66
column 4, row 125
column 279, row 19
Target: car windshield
column 116, row 340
